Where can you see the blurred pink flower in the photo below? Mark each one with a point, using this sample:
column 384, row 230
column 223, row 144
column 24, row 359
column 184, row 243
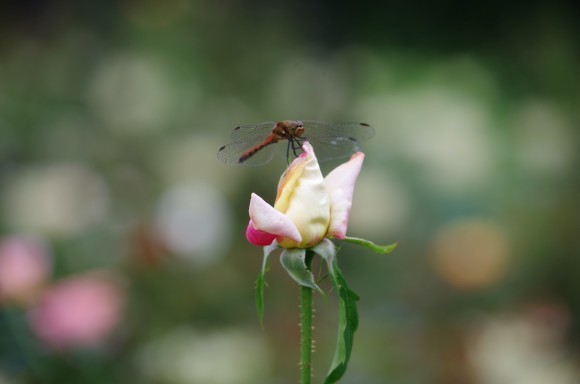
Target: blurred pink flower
column 81, row 311
column 308, row 207
column 24, row 267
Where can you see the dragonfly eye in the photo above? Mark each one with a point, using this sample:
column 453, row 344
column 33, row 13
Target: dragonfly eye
column 299, row 130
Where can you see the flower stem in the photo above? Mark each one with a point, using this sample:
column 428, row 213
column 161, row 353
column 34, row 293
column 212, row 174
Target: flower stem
column 306, row 328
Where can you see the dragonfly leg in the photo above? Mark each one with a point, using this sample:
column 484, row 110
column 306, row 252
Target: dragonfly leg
column 294, row 144
column 288, row 151
column 298, row 144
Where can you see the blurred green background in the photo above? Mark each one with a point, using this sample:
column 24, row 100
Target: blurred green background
column 122, row 251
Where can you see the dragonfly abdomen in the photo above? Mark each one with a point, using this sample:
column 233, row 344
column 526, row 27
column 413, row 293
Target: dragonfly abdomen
column 272, row 139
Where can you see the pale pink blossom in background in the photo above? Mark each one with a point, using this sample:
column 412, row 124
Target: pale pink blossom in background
column 80, row 311
column 24, row 268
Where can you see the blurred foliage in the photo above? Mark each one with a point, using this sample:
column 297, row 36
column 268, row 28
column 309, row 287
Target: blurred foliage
column 111, row 113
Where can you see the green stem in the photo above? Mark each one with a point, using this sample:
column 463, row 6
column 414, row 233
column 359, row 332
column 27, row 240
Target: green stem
column 306, row 328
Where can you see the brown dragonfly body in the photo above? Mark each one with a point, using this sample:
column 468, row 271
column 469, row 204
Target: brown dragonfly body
column 284, row 130
column 254, row 144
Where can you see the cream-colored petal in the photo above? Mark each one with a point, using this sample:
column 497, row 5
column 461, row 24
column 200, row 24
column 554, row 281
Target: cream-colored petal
column 308, row 205
column 340, row 185
column 265, row 218
column 289, row 181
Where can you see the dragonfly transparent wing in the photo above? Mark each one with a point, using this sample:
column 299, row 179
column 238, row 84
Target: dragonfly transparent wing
column 330, row 141
column 336, row 140
column 252, row 134
column 333, row 148
column 244, row 138
column 231, row 153
column 320, row 129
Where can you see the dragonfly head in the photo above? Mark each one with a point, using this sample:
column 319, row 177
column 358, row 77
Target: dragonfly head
column 293, row 127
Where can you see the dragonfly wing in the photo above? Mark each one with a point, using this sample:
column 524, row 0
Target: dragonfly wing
column 231, row 153
column 244, row 138
column 357, row 131
column 334, row 147
column 252, row 133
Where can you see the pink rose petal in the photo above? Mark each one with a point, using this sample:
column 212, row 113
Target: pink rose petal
column 257, row 237
column 265, row 218
column 340, row 185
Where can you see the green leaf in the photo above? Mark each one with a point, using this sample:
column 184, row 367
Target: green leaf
column 260, row 282
column 382, row 249
column 348, row 315
column 294, row 261
column 326, row 249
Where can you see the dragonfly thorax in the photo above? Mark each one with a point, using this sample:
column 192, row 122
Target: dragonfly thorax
column 288, row 128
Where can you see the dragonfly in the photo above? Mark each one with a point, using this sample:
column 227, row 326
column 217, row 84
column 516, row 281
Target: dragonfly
column 256, row 144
